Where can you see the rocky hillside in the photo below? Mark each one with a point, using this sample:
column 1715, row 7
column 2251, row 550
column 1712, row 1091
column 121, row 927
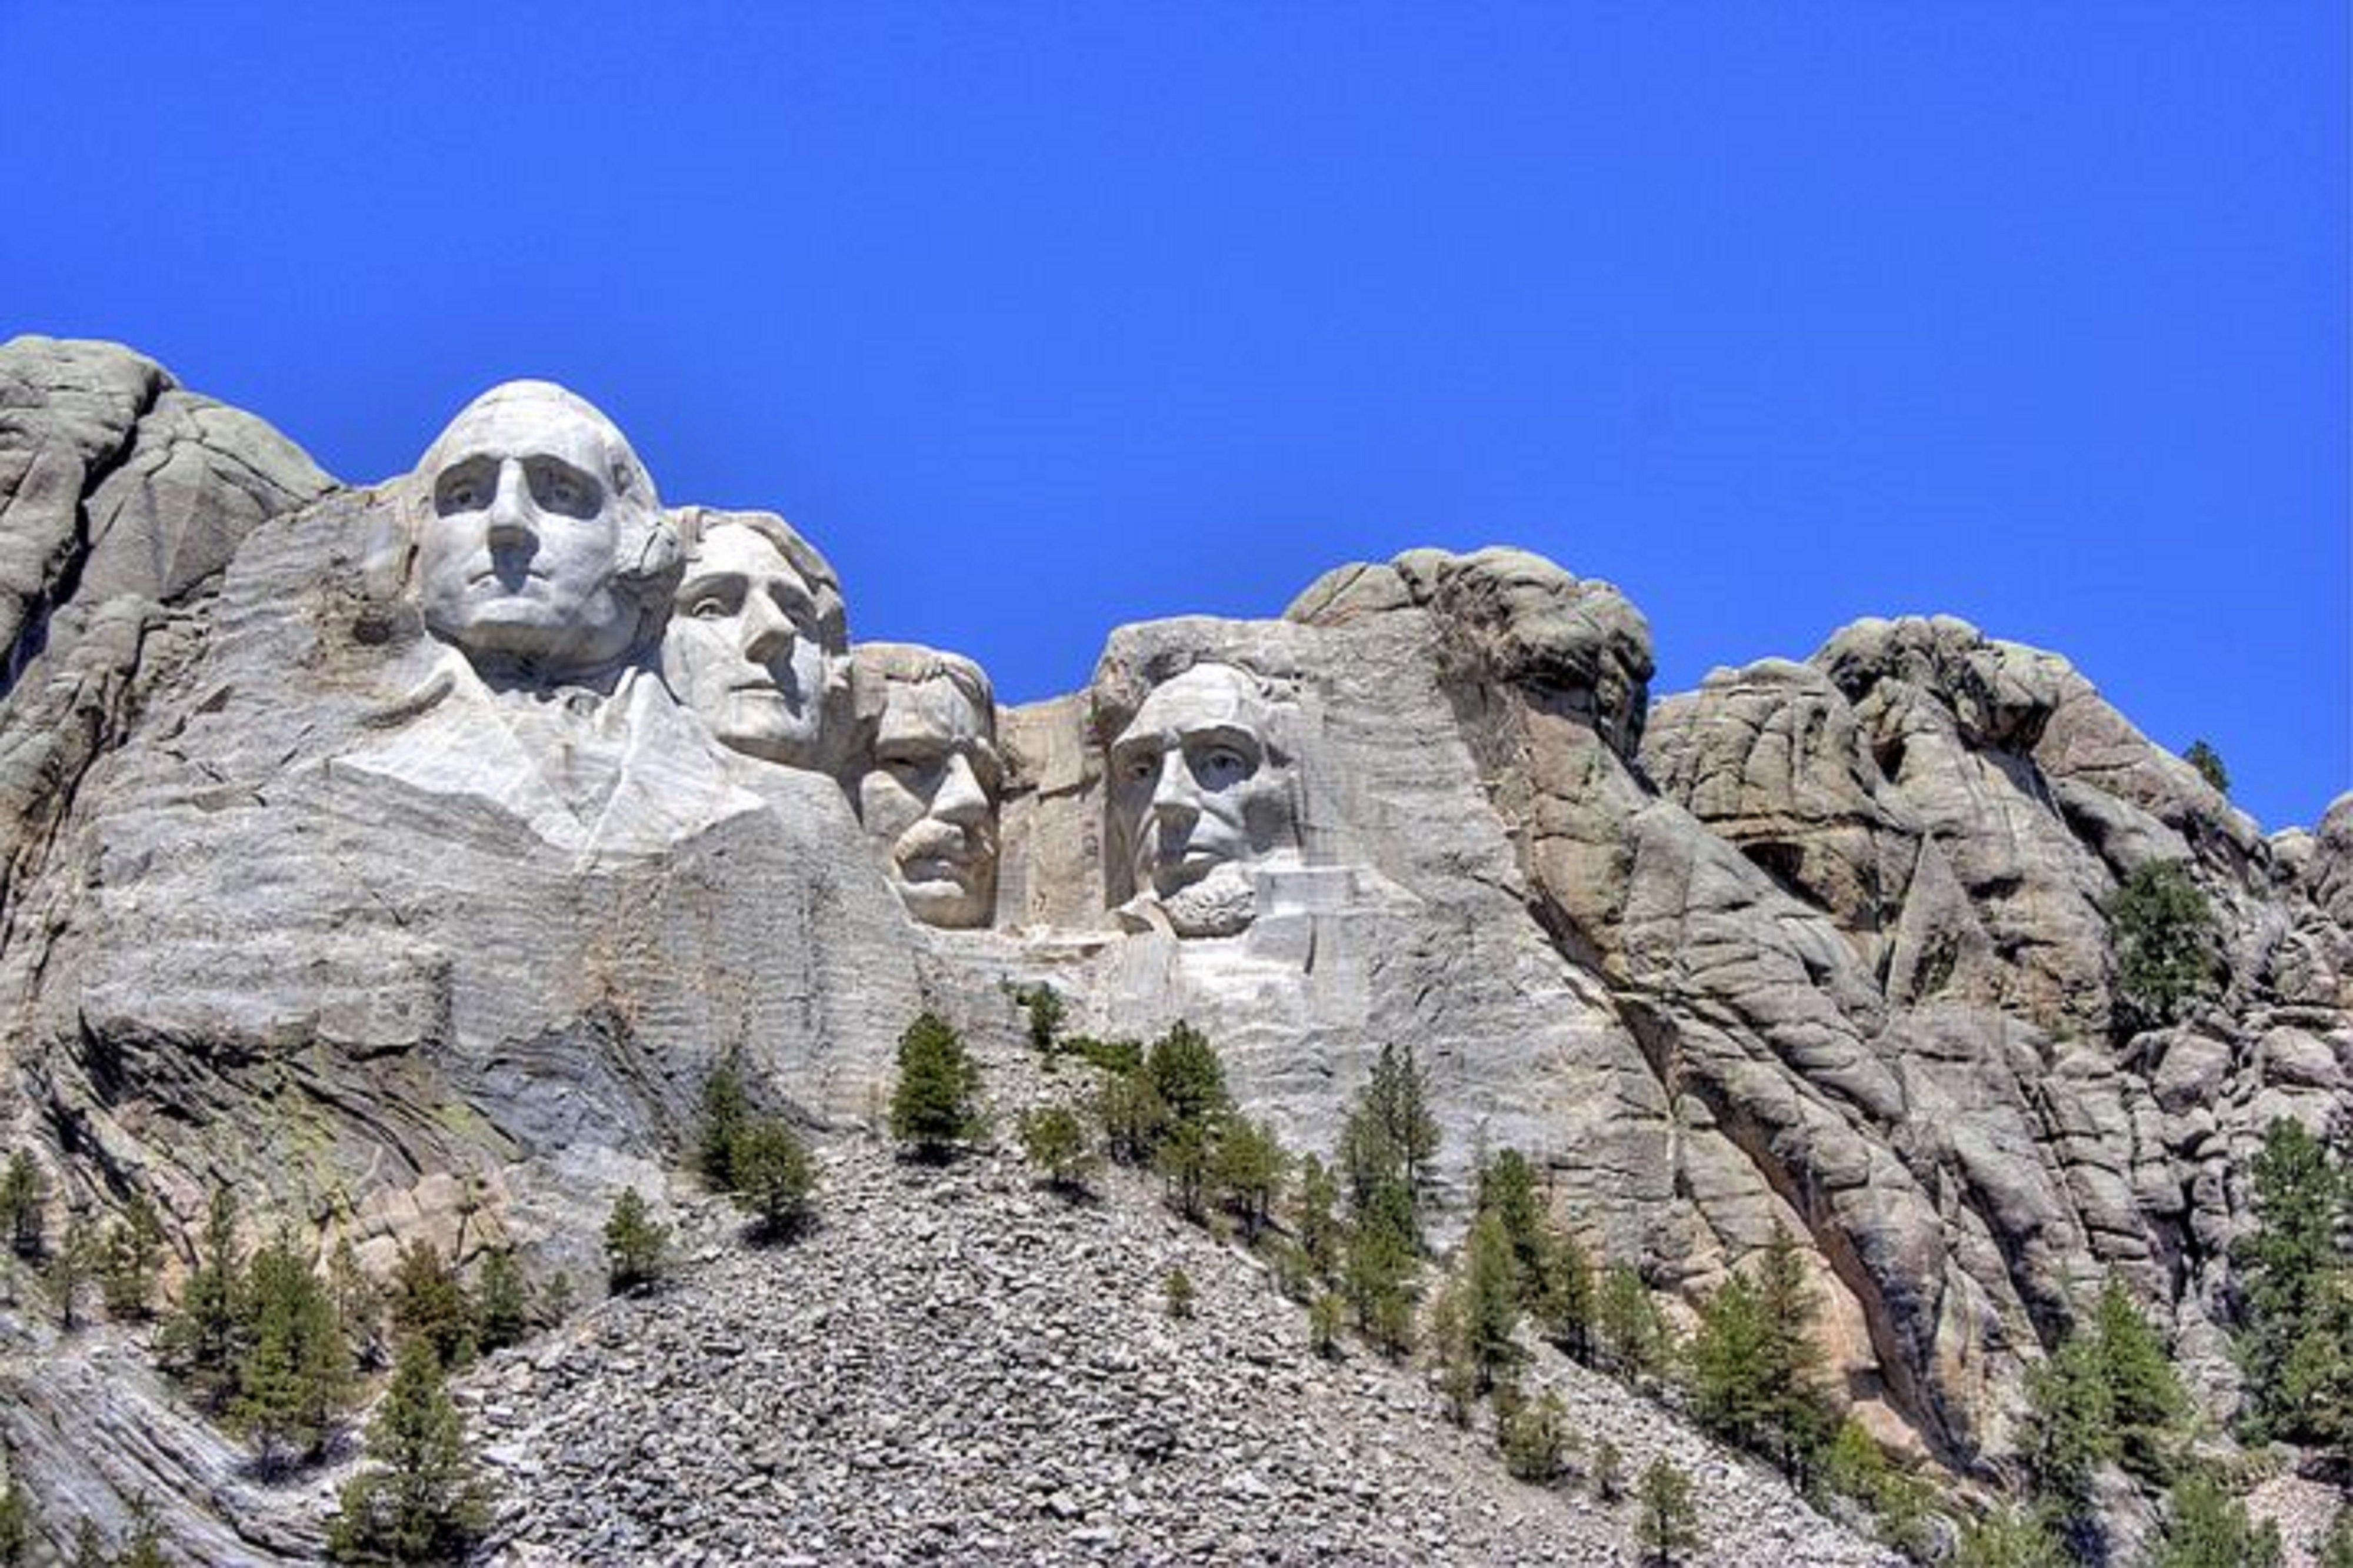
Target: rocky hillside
column 405, row 856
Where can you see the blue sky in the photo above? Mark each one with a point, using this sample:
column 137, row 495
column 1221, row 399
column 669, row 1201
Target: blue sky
column 1042, row 318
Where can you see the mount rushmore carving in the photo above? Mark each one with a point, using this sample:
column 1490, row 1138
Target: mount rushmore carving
column 410, row 853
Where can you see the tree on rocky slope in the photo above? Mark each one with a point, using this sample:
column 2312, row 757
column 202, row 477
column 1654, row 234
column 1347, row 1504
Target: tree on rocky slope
column 200, row 1342
column 419, row 1501
column 294, row 1374
column 773, row 1177
column 2208, row 763
column 2296, row 1279
column 936, row 1104
column 2205, row 1527
column 1667, row 1525
column 2164, row 936
column 634, row 1244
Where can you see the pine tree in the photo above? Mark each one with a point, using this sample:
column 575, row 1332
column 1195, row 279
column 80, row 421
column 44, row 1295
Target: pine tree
column 1054, row 1138
column 2163, row 933
column 1190, row 1079
column 17, row 1531
column 1491, row 1300
column 2146, row 1399
column 2208, row 763
column 1183, row 1161
column 1045, row 1010
column 1178, row 1286
column 426, row 1300
column 1798, row 1414
column 1566, row 1299
column 634, row 1244
column 725, row 1110
column 132, row 1251
column 1634, row 1334
column 1390, row 1133
column 1249, row 1167
column 294, row 1376
column 1324, row 1319
column 1667, row 1525
column 419, row 1501
column 1131, row 1115
column 1729, row 1358
column 24, row 1205
column 1535, row 1439
column 1321, row 1235
column 202, row 1340
column 2205, row 1527
column 71, row 1268
column 775, row 1178
column 1609, row 1474
column 1508, row 1190
column 358, row 1304
column 2070, row 1430
column 502, row 1302
column 936, row 1103
column 2292, row 1272
column 1382, row 1263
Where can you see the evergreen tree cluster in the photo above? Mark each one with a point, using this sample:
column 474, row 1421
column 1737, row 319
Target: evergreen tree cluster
column 756, row 1157
column 2165, row 943
column 2295, row 1281
column 1757, row 1368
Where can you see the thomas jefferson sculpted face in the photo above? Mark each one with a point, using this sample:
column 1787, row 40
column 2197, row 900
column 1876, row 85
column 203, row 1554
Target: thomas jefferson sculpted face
column 1200, row 795
column 538, row 533
column 756, row 637
column 930, row 794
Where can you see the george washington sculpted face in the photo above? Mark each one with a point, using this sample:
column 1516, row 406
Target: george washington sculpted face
column 537, row 525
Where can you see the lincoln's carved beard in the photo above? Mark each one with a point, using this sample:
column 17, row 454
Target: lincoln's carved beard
column 1219, row 904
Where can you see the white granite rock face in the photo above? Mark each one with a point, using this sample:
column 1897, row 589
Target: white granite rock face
column 345, row 872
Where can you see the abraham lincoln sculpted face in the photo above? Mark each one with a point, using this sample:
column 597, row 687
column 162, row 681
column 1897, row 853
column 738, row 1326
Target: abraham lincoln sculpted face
column 1200, row 793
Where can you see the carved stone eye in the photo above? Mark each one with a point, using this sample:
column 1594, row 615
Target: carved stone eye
column 709, row 609
column 1222, row 765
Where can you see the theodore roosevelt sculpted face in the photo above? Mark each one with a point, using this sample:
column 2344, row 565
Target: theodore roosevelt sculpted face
column 929, row 795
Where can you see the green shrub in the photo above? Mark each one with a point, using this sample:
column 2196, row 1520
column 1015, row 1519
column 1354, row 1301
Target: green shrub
column 1249, row 1167
column 1535, row 1439
column 936, row 1104
column 1178, row 1288
column 2008, row 1539
column 2205, row 1527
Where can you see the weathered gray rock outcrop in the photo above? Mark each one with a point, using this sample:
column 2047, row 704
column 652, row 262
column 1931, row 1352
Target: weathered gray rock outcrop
column 340, row 862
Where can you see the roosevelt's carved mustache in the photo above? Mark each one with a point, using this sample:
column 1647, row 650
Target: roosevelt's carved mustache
column 930, row 839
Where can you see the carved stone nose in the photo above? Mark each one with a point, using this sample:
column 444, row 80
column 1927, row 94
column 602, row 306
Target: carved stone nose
column 767, row 632
column 960, row 798
column 511, row 517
